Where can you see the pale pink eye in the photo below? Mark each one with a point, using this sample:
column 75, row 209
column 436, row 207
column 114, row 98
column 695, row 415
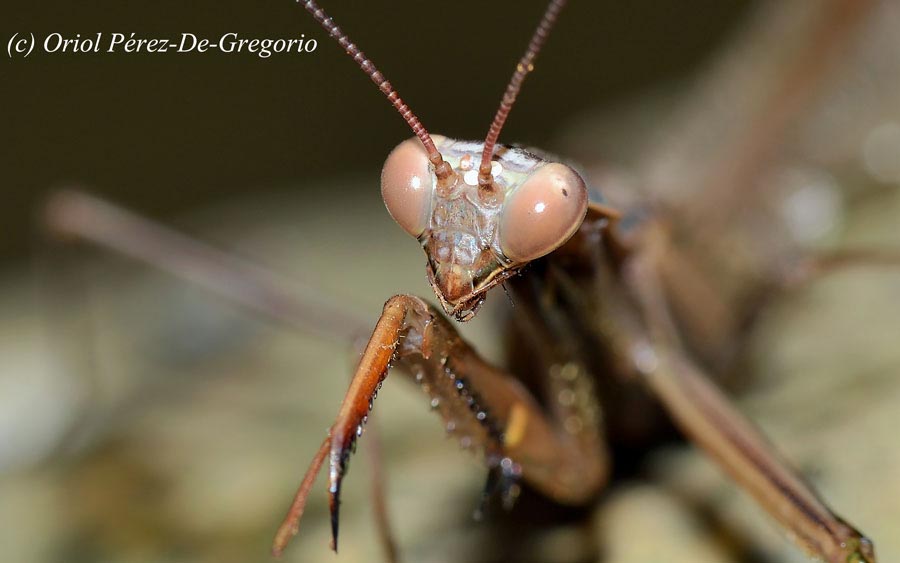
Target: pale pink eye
column 542, row 213
column 406, row 186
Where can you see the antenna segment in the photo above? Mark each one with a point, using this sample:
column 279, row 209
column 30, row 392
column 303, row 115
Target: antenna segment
column 526, row 65
column 442, row 169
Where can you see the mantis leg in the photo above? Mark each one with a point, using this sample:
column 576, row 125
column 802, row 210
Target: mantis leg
column 814, row 267
column 80, row 216
column 379, row 496
column 290, row 525
column 712, row 422
column 487, row 408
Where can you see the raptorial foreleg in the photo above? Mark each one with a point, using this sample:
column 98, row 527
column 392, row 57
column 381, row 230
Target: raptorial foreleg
column 487, row 408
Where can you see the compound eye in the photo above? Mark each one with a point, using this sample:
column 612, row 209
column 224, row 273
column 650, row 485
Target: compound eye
column 407, row 184
column 542, row 213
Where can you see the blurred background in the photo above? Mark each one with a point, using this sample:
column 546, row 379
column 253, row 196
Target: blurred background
column 170, row 132
column 143, row 419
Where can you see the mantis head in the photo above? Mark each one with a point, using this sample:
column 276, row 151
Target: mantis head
column 481, row 210
column 474, row 235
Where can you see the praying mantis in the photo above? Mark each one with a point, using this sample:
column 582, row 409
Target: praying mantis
column 601, row 315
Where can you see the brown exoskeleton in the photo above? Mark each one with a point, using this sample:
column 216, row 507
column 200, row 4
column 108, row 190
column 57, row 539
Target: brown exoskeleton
column 599, row 320
column 593, row 311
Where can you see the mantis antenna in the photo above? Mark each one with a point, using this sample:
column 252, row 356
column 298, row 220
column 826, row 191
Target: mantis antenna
column 525, row 65
column 441, row 169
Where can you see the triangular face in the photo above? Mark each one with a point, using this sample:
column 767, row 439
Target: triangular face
column 474, row 242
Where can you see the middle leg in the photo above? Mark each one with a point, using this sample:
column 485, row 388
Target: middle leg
column 713, row 423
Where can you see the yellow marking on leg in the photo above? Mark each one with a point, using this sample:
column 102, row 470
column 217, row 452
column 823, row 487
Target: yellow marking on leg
column 515, row 426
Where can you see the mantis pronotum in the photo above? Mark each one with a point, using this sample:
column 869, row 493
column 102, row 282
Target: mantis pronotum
column 597, row 311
